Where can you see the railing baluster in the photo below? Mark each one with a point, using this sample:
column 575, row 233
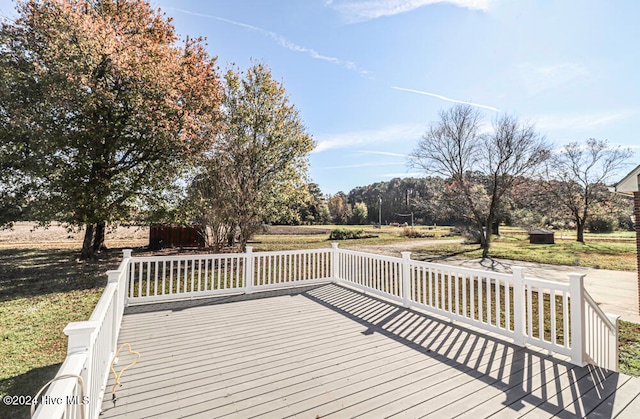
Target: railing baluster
column 464, row 295
column 199, row 274
column 208, row 282
column 140, row 280
column 417, row 272
column 278, row 278
column 552, row 309
column 480, row 303
column 507, row 307
column 155, row 280
column 472, row 297
column 488, row 303
column 193, row 274
column 171, row 278
column 457, row 293
column 541, row 313
column 565, row 318
column 529, row 312
column 148, row 279
column 496, row 286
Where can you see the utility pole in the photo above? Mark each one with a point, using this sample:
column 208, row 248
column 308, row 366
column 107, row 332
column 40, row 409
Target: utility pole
column 409, row 192
column 380, row 211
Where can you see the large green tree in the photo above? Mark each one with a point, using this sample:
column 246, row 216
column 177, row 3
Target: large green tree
column 257, row 170
column 100, row 104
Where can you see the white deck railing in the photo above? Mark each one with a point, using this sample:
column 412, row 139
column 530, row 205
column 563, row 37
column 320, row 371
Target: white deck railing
column 557, row 316
column 90, row 350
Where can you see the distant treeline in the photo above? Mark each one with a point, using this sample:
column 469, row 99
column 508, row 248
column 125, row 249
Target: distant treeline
column 434, row 200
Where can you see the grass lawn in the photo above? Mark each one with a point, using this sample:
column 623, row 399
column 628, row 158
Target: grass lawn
column 629, row 347
column 606, row 253
column 41, row 290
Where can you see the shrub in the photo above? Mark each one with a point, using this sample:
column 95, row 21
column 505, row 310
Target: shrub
column 601, row 223
column 344, row 234
column 415, row 234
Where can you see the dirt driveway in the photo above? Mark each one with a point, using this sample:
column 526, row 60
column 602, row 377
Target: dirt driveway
column 394, row 249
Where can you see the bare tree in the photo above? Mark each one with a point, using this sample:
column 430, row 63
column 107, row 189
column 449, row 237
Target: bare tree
column 454, row 148
column 577, row 174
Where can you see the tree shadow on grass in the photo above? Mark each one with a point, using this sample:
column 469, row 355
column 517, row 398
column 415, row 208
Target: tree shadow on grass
column 444, row 256
column 26, row 273
column 27, row 384
column 36, row 272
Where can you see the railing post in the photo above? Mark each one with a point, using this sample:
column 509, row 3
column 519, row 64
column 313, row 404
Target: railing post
column 518, row 305
column 614, row 354
column 126, row 256
column 79, row 334
column 334, row 262
column 114, row 278
column 406, row 283
column 80, row 342
column 248, row 270
column 576, row 288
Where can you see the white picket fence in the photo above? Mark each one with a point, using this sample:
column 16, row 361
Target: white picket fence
column 556, row 316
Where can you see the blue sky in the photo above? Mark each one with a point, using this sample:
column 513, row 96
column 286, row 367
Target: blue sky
column 369, row 76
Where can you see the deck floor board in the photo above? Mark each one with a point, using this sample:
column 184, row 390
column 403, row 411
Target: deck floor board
column 328, row 351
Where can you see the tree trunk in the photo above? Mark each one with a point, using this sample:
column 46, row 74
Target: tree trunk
column 98, row 240
column 243, row 239
column 485, row 242
column 580, row 232
column 87, row 248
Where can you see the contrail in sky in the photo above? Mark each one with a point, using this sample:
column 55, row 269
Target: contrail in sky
column 491, row 108
column 281, row 40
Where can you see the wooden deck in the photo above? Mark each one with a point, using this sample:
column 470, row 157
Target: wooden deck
column 328, row 351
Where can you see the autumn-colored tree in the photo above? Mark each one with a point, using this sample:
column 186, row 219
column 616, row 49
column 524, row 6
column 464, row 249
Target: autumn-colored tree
column 99, row 107
column 339, row 208
column 257, row 170
column 531, row 206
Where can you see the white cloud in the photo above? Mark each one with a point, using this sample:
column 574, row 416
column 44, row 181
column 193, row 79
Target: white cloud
column 281, row 40
column 360, row 11
column 421, row 92
column 383, row 153
column 395, row 133
column 536, row 78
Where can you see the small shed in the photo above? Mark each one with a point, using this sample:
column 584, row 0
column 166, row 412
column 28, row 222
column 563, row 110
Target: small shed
column 161, row 236
column 541, row 236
